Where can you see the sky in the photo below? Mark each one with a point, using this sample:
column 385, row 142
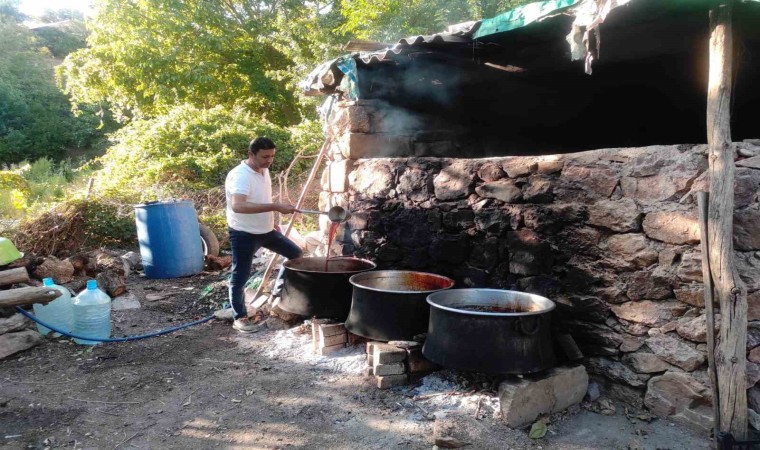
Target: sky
column 37, row 7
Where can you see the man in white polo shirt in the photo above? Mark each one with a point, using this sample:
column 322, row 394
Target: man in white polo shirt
column 250, row 218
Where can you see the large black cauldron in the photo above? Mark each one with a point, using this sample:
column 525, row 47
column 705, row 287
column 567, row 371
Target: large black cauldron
column 389, row 305
column 310, row 290
column 490, row 330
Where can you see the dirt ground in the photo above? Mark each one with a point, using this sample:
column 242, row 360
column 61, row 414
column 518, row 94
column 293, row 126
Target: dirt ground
column 211, row 387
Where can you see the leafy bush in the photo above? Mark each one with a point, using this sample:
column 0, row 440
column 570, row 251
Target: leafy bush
column 186, row 149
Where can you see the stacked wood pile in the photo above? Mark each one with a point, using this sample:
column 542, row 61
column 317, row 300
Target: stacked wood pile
column 14, row 333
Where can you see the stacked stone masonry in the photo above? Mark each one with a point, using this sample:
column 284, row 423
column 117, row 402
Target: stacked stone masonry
column 610, row 235
column 394, row 362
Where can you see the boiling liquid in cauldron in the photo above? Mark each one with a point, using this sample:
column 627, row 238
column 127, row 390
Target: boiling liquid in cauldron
column 516, row 308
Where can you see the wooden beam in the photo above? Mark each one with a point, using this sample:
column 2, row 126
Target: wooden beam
column 730, row 359
column 28, row 296
column 13, row 276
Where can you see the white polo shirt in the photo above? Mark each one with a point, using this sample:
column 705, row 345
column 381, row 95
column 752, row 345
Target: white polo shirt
column 257, row 187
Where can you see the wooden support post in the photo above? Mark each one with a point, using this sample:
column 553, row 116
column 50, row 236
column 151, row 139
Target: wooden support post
column 28, row 296
column 730, row 359
column 703, row 205
column 13, row 276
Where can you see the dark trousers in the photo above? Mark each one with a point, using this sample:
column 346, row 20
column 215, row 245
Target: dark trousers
column 244, row 246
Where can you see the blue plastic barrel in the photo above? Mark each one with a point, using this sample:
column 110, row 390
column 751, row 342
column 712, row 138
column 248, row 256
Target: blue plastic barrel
column 170, row 239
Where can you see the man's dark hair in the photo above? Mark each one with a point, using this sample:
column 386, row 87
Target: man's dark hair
column 260, row 143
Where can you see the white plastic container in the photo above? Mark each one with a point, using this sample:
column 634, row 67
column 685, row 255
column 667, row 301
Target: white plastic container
column 92, row 314
column 58, row 313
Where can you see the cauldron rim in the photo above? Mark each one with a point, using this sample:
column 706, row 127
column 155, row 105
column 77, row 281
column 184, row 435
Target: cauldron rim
column 289, row 263
column 431, row 300
column 379, row 273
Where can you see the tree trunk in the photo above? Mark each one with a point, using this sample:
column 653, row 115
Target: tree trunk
column 28, row 296
column 13, row 276
column 730, row 355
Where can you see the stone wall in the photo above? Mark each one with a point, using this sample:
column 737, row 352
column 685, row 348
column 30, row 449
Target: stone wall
column 610, row 235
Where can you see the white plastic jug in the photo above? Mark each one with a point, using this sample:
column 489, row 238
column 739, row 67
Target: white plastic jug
column 58, row 313
column 92, row 314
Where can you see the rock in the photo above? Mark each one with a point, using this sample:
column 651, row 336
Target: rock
column 646, row 363
column 748, row 266
column 15, row 322
column 528, row 253
column 523, row 400
column 674, row 394
column 592, row 394
column 621, row 392
column 226, row 314
column 747, row 229
column 645, row 312
column 753, row 157
column 60, row 271
column 11, row 343
column 753, row 335
column 631, row 251
column 124, row 302
column 538, row 190
column 630, row 344
column 454, row 182
column 284, row 315
column 672, row 227
column 654, row 285
column 690, row 269
column 622, row 216
column 413, row 183
column 449, row 442
column 753, row 398
column 746, row 186
column 519, row 166
column 275, row 323
column 695, row 329
column 490, row 172
column 693, row 295
column 753, row 306
column 597, row 180
column 615, row 371
column 134, row 260
column 504, row 190
column 372, row 179
column 661, row 175
column 754, row 419
column 675, row 352
column 753, row 374
column 549, row 167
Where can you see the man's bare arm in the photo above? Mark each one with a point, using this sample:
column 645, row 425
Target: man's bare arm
column 241, row 206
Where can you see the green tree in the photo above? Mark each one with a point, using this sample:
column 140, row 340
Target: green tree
column 35, row 117
column 145, row 58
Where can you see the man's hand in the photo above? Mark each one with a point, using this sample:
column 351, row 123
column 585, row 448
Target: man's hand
column 284, row 208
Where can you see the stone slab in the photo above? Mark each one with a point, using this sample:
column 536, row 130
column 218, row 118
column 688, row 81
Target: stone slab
column 11, row 343
column 523, row 400
column 125, row 302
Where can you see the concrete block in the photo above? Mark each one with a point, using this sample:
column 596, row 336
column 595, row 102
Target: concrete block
column 390, row 369
column 331, row 349
column 332, row 329
column 386, row 354
column 370, row 360
column 356, row 340
column 417, row 363
column 390, row 381
column 328, row 341
column 523, row 400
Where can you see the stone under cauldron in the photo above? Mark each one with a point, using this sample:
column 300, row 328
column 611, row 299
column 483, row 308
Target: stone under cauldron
column 610, row 235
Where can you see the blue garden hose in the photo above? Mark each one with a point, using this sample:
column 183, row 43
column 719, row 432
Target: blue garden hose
column 122, row 339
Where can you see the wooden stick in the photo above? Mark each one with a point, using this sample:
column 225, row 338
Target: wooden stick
column 13, row 276
column 730, row 358
column 702, row 202
column 28, row 296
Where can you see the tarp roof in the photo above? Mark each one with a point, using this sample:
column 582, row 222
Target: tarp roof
column 577, row 20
